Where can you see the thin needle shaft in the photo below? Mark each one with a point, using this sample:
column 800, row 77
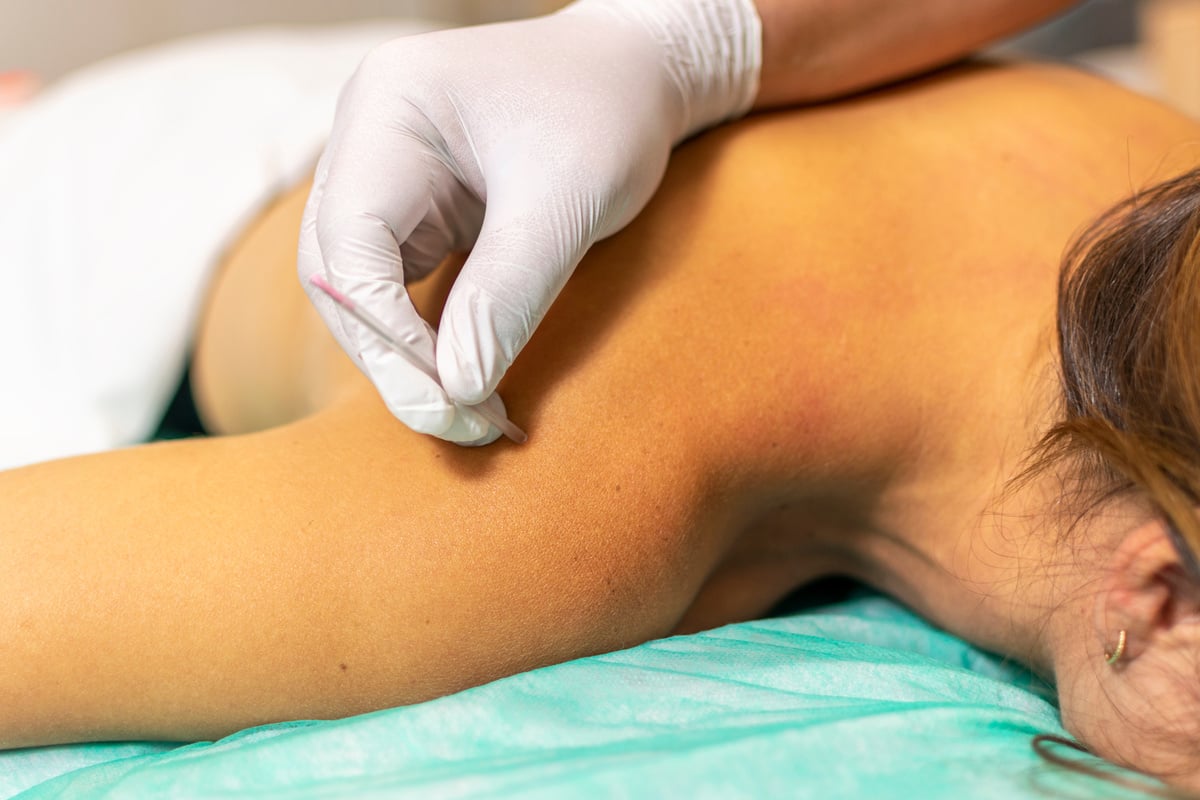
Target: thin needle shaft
column 379, row 329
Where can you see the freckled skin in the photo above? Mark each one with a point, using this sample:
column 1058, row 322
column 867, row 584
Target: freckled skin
column 803, row 350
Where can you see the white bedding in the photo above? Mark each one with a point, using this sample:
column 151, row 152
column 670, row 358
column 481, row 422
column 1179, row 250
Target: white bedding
column 120, row 187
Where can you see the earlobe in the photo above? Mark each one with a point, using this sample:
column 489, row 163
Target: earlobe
column 1146, row 593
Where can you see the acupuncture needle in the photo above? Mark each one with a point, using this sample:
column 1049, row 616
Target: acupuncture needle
column 400, row 348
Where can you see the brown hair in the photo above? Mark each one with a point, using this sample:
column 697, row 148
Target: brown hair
column 1129, row 340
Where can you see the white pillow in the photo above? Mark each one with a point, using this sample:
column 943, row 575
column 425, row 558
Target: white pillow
column 120, row 188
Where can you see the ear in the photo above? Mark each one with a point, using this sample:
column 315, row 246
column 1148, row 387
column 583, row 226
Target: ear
column 1148, row 594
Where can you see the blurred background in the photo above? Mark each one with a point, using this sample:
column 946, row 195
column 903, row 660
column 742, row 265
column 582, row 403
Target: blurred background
column 1152, row 44
column 51, row 37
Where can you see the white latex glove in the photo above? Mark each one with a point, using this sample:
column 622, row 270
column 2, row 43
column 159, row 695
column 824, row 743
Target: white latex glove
column 525, row 142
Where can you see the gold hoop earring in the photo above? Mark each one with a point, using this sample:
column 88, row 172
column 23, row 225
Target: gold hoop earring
column 1112, row 658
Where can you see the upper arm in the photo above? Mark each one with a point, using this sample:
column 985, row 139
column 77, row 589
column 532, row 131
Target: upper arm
column 333, row 566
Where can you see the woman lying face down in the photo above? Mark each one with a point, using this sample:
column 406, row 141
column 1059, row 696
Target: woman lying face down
column 829, row 346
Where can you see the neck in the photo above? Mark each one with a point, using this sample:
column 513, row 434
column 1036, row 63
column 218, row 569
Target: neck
column 996, row 583
column 966, row 546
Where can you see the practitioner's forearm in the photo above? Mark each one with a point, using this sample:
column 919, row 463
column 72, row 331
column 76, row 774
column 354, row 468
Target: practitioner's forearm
column 815, row 50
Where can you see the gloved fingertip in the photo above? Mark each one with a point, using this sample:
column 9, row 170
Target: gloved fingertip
column 469, row 360
column 470, row 429
column 464, row 382
column 431, row 421
column 410, row 395
column 492, row 435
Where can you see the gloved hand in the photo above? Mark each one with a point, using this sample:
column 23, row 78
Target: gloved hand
column 526, row 142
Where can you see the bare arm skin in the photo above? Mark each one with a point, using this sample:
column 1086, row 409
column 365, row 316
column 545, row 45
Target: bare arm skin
column 722, row 405
column 816, row 50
